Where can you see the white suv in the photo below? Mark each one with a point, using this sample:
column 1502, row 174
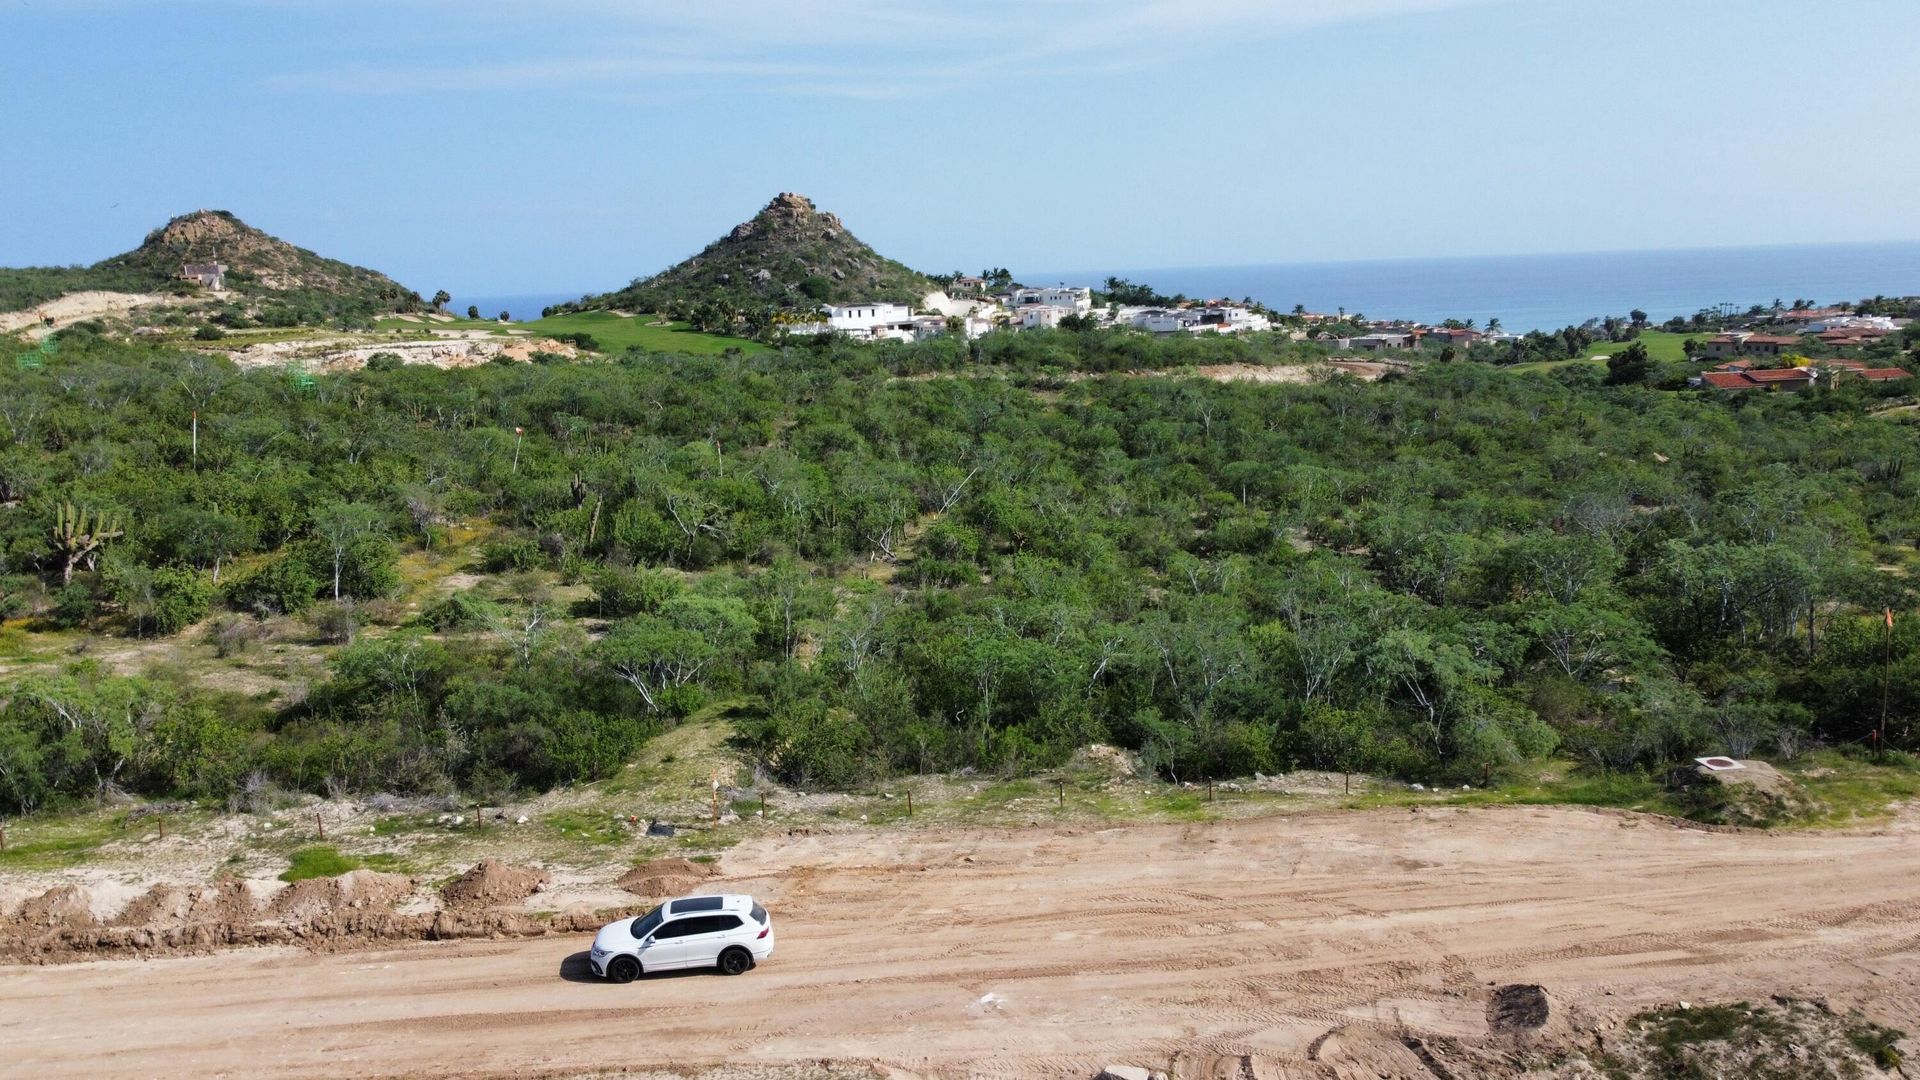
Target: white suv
column 731, row 933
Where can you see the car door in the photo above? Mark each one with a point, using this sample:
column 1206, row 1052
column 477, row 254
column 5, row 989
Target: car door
column 707, row 937
column 667, row 948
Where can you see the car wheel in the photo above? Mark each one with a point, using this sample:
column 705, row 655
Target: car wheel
column 735, row 961
column 623, row 969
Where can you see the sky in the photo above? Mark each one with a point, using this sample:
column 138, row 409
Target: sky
column 500, row 146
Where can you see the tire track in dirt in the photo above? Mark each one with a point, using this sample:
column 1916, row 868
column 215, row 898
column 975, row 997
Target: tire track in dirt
column 1239, row 948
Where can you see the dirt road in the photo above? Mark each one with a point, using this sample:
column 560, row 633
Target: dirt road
column 1231, row 949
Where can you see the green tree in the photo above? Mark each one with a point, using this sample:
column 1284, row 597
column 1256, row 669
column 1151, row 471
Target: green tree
column 1629, row 366
column 342, row 527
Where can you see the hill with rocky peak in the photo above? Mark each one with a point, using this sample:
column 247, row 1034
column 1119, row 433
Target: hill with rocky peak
column 260, row 269
column 789, row 255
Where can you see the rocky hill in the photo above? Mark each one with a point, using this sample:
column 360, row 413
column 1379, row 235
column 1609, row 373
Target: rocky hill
column 261, row 269
column 790, row 255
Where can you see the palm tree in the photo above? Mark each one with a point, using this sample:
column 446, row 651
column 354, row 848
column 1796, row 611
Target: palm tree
column 1493, row 325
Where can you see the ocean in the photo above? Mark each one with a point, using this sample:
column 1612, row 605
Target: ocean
column 1525, row 292
column 524, row 307
column 1546, row 292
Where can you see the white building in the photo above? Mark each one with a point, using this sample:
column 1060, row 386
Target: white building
column 1156, row 320
column 1850, row 322
column 1076, row 301
column 1233, row 319
column 861, row 320
column 1040, row 316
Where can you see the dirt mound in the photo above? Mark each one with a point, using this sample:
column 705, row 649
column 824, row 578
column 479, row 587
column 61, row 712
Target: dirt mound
column 663, row 878
column 63, row 907
column 1518, row 1007
column 228, row 902
column 358, row 890
column 162, row 905
column 1754, row 794
column 1108, row 760
column 494, row 882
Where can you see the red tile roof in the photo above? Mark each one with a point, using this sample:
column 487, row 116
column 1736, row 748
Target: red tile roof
column 1780, row 375
column 1771, row 339
column 1884, row 374
column 1728, row 380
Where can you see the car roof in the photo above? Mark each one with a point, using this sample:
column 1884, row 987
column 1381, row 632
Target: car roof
column 694, row 905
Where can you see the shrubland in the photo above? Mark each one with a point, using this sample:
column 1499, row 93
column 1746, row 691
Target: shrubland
column 1443, row 576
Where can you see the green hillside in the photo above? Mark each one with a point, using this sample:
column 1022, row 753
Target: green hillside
column 285, row 283
column 790, row 255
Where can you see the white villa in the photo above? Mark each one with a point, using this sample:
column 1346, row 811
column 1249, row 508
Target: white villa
column 872, row 321
column 864, row 319
column 1218, row 318
column 1075, row 300
column 1040, row 316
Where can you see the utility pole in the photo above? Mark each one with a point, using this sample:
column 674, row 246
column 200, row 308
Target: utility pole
column 517, row 434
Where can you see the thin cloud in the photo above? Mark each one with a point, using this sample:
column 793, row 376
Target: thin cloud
column 841, row 48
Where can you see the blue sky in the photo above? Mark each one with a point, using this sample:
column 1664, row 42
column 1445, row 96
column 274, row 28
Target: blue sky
column 501, row 146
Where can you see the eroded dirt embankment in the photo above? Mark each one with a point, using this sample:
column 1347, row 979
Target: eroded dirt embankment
column 363, row 907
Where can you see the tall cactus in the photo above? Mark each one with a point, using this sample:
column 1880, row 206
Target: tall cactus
column 78, row 534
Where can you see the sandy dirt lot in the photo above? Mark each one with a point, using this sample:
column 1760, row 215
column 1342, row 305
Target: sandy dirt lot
column 1364, row 370
column 1312, row 945
column 73, row 308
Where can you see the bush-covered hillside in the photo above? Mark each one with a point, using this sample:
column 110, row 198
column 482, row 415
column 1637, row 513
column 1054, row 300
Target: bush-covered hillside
column 788, row 256
column 277, row 278
column 1435, row 576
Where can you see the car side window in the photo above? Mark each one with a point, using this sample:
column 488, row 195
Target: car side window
column 676, row 928
column 707, row 924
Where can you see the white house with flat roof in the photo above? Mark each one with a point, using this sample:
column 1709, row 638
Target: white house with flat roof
column 864, row 318
column 1076, row 301
column 1232, row 319
column 1040, row 316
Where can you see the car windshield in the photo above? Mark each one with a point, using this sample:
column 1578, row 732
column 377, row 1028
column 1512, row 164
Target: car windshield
column 645, row 924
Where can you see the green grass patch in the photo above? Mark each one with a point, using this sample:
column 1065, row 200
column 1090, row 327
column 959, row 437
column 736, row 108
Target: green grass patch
column 1852, row 788
column 1181, row 805
column 402, row 824
column 616, row 333
column 1544, row 783
column 322, row 860
column 582, row 827
column 51, row 844
column 1662, row 347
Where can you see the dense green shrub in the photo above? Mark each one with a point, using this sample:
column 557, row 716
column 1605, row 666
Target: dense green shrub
column 181, row 597
column 284, row 585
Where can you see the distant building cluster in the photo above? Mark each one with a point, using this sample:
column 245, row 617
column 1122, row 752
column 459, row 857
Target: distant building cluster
column 967, row 307
column 1745, row 375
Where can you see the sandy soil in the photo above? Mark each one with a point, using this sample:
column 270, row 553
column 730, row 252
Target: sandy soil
column 1321, row 945
column 451, row 349
column 76, row 307
column 1365, row 370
